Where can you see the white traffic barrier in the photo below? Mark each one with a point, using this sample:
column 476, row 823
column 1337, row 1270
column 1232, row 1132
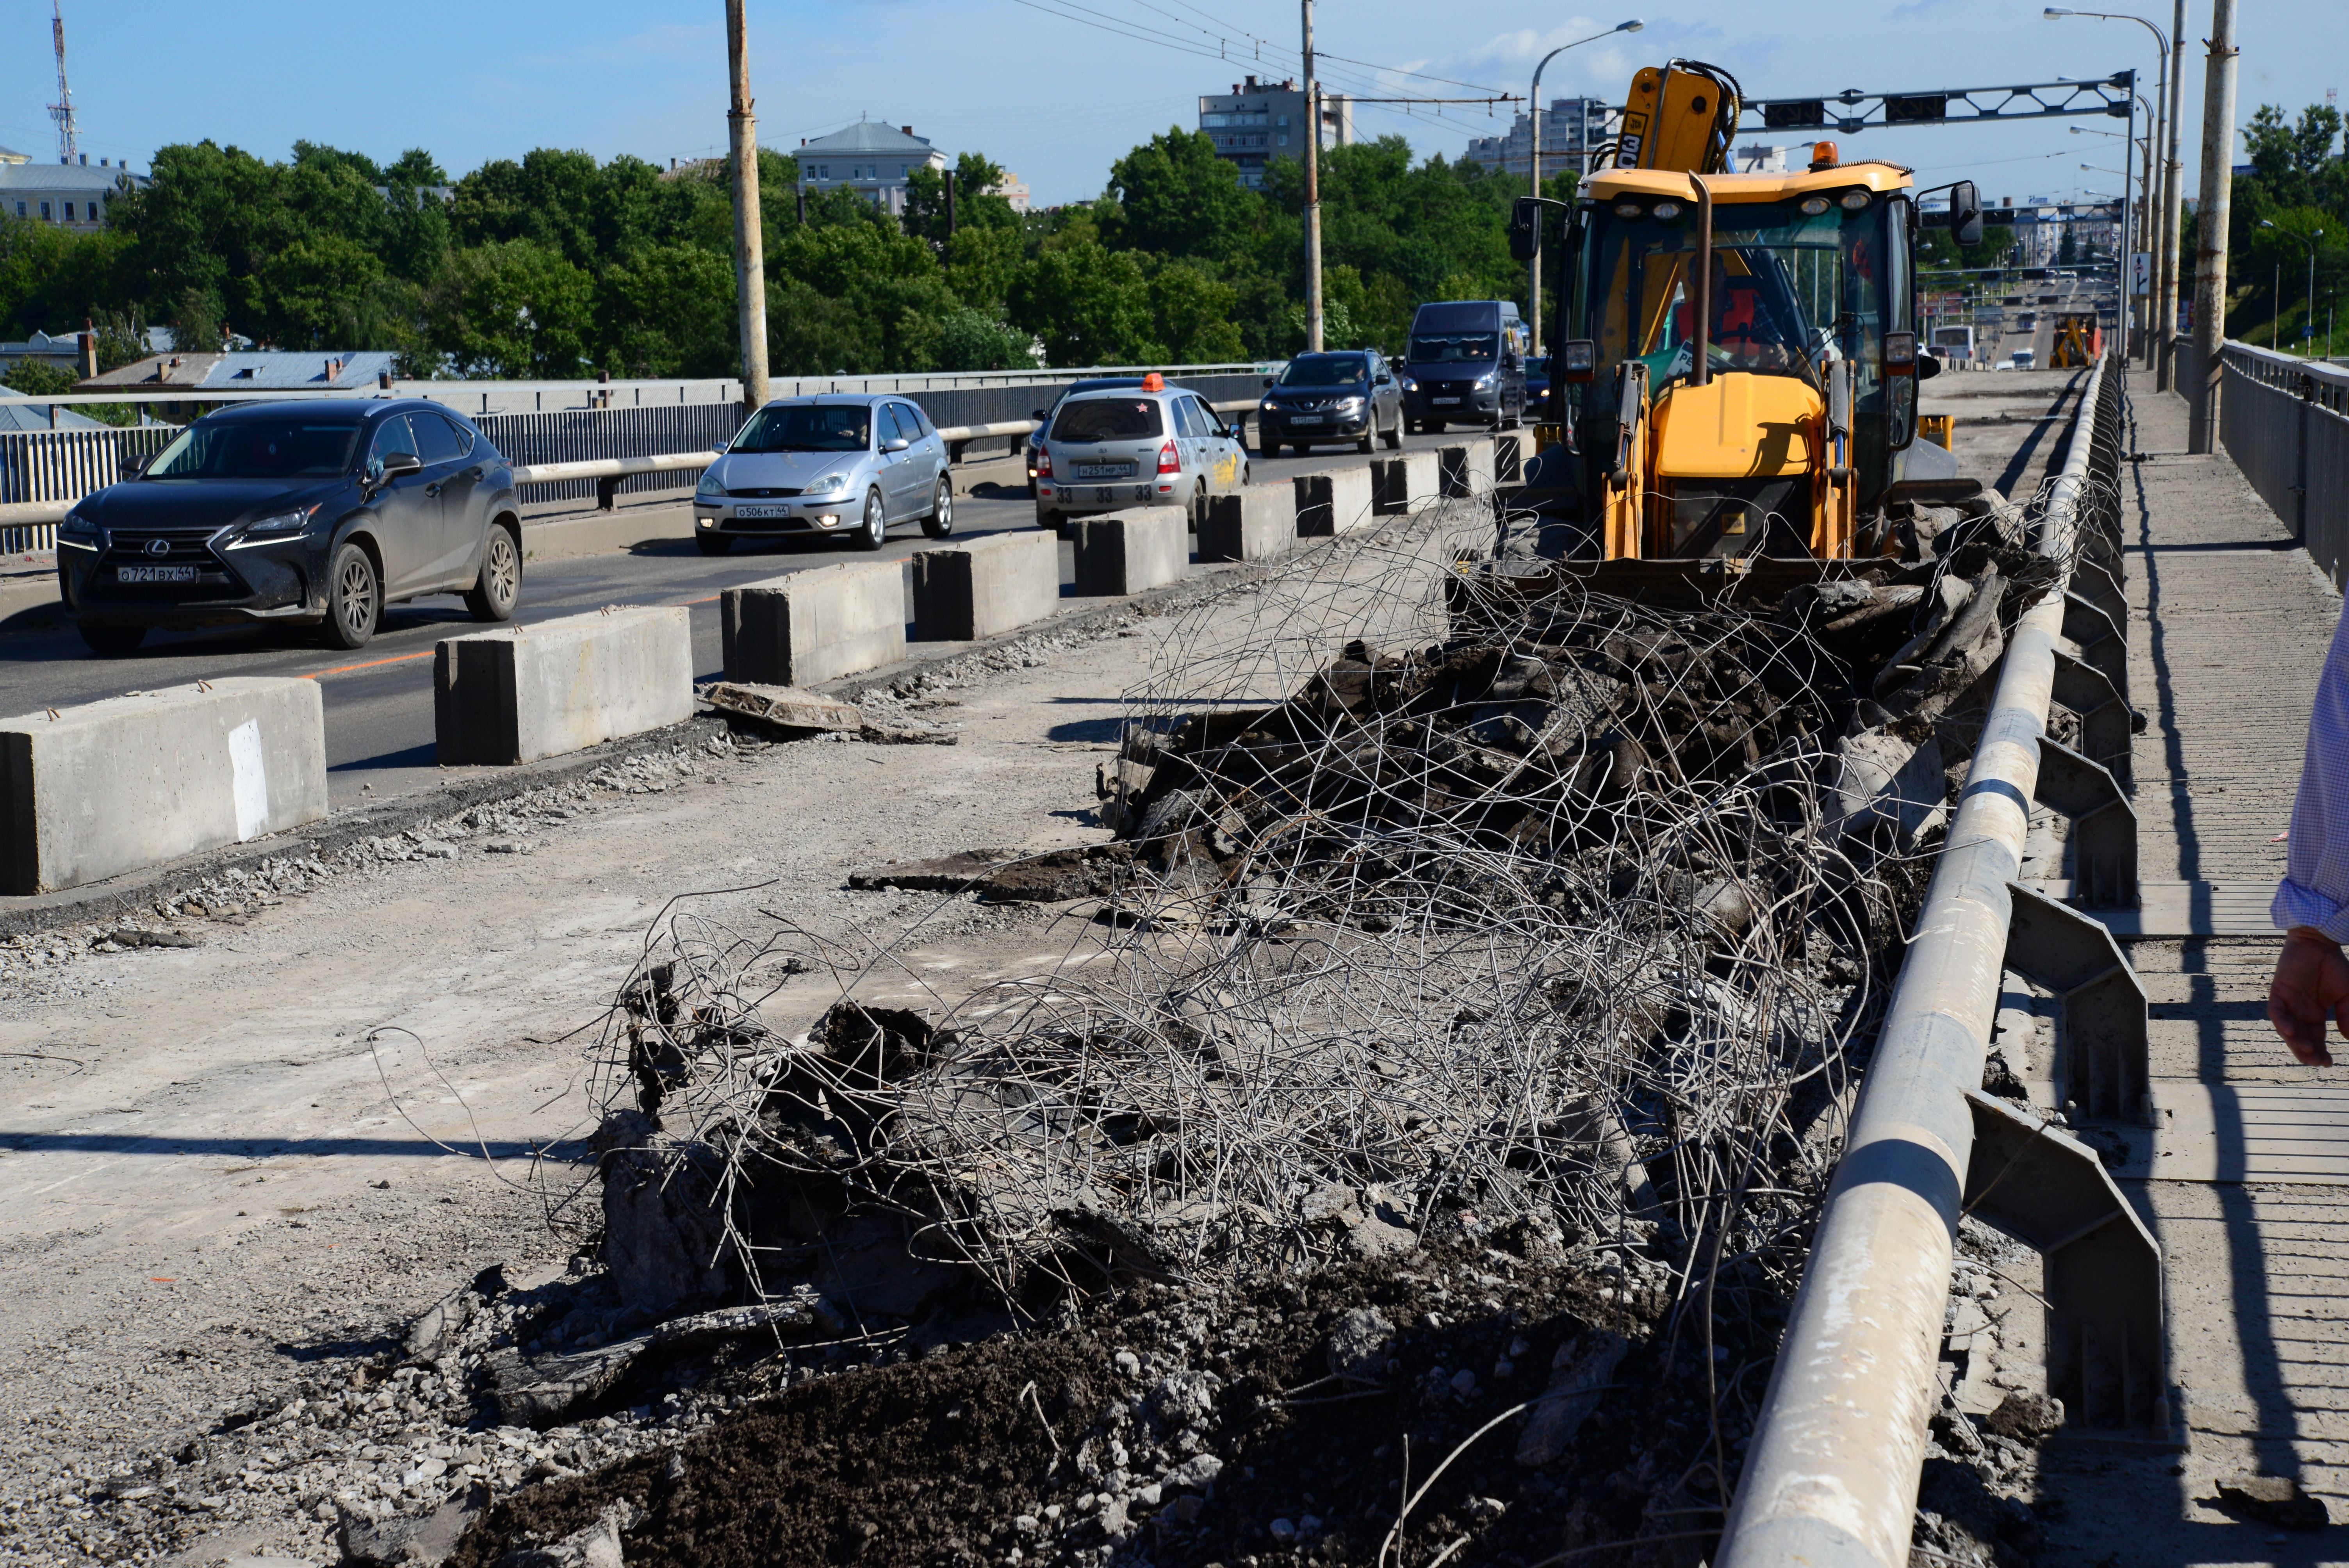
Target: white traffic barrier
column 966, row 591
column 1250, row 524
column 1467, row 469
column 1127, row 551
column 520, row 692
column 1510, row 455
column 816, row 625
column 109, row 787
column 1400, row 482
column 1332, row 502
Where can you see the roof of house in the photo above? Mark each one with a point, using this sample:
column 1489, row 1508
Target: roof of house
column 18, row 412
column 155, row 370
column 257, row 371
column 866, row 136
column 67, row 177
column 10, row 155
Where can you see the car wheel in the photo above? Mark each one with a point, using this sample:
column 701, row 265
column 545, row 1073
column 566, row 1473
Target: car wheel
column 1244, row 474
column 493, row 597
column 353, row 599
column 714, row 543
column 874, row 531
column 1199, row 505
column 112, row 641
column 940, row 522
column 1394, row 436
column 1370, row 437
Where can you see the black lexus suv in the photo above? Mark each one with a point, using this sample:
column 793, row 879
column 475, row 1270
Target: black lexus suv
column 314, row 514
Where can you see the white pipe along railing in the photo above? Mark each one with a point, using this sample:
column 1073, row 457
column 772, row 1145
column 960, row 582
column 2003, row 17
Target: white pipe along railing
column 29, row 513
column 1831, row 1480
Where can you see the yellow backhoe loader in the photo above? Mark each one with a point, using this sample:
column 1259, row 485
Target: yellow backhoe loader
column 1737, row 381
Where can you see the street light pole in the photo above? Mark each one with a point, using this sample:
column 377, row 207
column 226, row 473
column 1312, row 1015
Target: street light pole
column 1312, row 194
column 2308, row 321
column 1532, row 106
column 749, row 263
column 2210, row 218
column 2164, row 90
column 2173, row 217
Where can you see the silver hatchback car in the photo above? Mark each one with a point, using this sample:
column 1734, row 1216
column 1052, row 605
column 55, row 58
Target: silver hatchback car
column 849, row 464
column 1152, row 444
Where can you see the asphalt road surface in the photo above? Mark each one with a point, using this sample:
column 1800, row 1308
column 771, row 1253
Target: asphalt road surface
column 378, row 698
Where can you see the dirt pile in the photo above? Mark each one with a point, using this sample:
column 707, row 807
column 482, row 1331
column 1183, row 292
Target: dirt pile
column 1280, row 1420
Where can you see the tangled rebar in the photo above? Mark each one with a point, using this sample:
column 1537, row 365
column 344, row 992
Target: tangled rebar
column 1454, row 897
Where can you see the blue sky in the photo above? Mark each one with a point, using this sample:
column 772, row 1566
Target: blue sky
column 1052, row 98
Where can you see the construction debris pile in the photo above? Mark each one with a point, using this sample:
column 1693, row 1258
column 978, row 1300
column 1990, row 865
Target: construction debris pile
column 1445, row 905
column 1537, row 903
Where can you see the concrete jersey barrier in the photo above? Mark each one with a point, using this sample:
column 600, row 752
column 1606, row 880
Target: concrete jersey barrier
column 1402, row 482
column 815, row 626
column 1128, row 551
column 116, row 786
column 522, row 693
column 1250, row 524
column 966, row 591
column 1332, row 502
column 1465, row 469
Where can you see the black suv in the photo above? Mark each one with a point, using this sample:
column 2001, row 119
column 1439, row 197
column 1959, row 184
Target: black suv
column 316, row 513
column 1346, row 397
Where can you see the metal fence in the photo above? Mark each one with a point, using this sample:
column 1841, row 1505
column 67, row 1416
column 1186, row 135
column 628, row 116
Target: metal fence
column 2285, row 422
column 578, row 433
column 64, row 466
column 59, row 466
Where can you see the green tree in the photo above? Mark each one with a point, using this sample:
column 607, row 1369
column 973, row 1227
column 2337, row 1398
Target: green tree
column 1088, row 304
column 973, row 340
column 1173, row 196
column 667, row 309
column 513, row 308
column 1191, row 316
column 35, row 379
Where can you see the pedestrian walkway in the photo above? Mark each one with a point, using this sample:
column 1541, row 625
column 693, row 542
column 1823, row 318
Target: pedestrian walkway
column 2246, row 1177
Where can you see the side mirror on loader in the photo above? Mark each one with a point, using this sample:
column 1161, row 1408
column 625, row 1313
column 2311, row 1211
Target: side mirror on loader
column 1965, row 214
column 1524, row 229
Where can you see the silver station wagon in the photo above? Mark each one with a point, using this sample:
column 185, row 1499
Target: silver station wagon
column 1154, row 444
column 845, row 464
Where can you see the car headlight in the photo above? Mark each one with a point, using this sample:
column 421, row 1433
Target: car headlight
column 1269, row 407
column 277, row 525
column 78, row 524
column 1484, row 381
column 831, row 484
column 711, row 484
column 1409, row 384
column 1350, row 405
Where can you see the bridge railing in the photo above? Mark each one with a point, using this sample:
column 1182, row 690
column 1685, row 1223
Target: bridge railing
column 2285, row 422
column 43, row 472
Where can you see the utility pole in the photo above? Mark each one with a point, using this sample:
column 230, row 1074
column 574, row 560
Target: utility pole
column 1312, row 193
column 2210, row 216
column 2173, row 213
column 749, row 263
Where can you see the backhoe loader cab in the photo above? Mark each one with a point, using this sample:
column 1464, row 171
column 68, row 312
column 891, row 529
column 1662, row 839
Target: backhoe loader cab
column 1753, row 354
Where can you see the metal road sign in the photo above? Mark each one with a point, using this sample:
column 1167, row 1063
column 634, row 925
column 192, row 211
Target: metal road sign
column 1852, row 112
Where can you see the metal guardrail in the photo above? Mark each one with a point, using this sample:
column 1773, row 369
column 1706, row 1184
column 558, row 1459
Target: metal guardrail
column 2285, row 422
column 83, row 461
column 1832, row 1475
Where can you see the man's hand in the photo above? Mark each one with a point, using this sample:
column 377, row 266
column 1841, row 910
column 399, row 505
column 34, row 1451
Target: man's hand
column 2311, row 987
